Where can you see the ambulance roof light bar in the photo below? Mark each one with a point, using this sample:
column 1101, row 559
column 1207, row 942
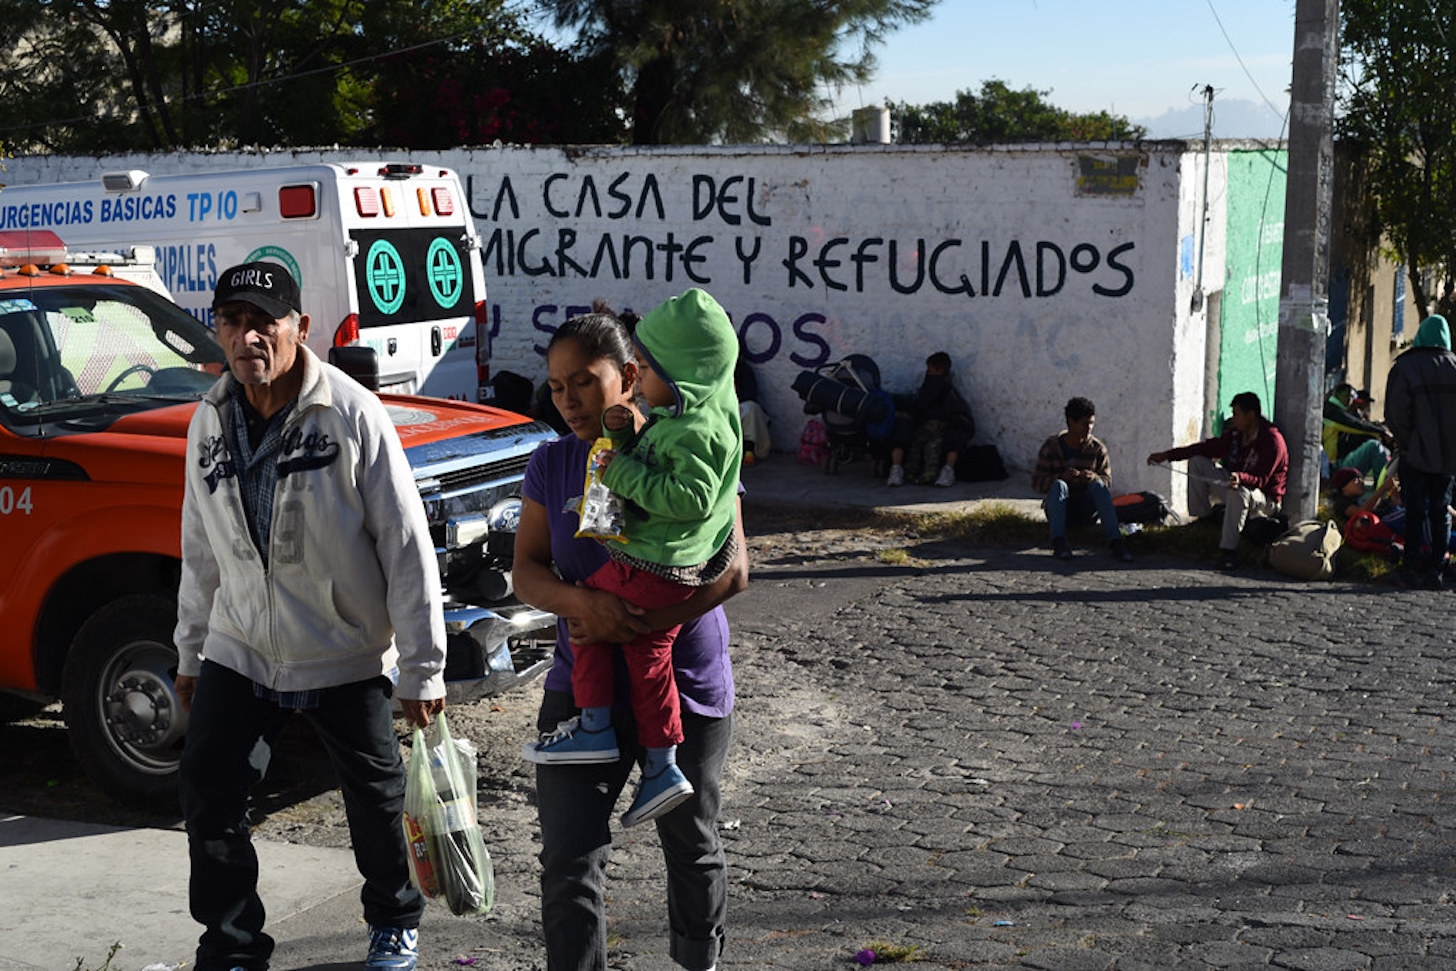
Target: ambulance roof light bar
column 41, row 246
column 129, row 181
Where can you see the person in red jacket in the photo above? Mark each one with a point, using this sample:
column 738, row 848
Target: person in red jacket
column 1244, row 470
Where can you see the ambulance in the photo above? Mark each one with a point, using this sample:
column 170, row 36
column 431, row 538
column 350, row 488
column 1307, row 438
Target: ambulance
column 386, row 254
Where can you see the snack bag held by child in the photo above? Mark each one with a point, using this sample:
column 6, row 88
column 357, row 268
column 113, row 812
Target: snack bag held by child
column 601, row 512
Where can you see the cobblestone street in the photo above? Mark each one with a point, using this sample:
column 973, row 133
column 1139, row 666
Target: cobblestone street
column 985, row 758
column 1158, row 766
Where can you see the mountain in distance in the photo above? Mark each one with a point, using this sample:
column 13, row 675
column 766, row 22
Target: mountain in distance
column 1231, row 119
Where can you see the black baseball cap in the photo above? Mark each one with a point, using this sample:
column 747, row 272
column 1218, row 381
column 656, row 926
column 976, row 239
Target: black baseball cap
column 267, row 286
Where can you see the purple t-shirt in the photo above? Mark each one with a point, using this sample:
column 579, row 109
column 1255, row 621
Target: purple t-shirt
column 704, row 673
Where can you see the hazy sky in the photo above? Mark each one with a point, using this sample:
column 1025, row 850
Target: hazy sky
column 1138, row 58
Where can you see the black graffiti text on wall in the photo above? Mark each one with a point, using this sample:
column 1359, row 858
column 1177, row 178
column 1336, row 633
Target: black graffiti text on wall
column 765, row 335
column 874, row 264
column 565, row 238
column 732, row 200
column 842, row 264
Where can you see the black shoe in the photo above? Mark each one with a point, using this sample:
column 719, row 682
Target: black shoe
column 1120, row 550
column 1061, row 549
column 1227, row 560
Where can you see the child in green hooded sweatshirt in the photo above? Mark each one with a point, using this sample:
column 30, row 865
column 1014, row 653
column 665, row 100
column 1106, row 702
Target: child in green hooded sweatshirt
column 678, row 478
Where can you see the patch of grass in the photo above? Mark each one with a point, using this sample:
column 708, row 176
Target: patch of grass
column 997, row 523
column 1353, row 564
column 1196, row 540
column 887, row 953
column 994, row 523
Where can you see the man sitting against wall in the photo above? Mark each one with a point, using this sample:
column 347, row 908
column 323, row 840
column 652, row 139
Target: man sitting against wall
column 1074, row 473
column 1244, row 470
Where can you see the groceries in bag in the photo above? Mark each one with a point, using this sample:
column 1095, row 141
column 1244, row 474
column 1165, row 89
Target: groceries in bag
column 448, row 858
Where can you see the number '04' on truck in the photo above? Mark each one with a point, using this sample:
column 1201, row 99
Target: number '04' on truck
column 99, row 377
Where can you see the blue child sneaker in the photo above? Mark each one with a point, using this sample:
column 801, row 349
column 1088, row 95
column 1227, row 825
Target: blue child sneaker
column 572, row 744
column 657, row 795
column 392, row 949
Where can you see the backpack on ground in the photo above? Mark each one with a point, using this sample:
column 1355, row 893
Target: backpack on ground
column 1264, row 530
column 1307, row 550
column 980, row 463
column 1365, row 532
column 813, row 443
column 1141, row 507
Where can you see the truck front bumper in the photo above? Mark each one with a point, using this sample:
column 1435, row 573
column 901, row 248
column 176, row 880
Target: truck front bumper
column 490, row 650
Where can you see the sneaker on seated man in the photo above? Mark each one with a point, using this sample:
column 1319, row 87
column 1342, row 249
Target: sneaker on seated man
column 1074, row 473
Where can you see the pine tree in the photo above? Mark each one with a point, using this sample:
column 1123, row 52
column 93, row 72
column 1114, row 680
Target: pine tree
column 737, row 71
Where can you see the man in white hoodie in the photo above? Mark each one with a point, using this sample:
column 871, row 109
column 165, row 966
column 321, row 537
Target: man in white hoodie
column 309, row 584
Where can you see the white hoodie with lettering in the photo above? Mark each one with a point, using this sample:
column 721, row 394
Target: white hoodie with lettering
column 351, row 590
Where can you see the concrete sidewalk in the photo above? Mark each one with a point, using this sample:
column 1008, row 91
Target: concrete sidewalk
column 69, row 891
column 781, row 479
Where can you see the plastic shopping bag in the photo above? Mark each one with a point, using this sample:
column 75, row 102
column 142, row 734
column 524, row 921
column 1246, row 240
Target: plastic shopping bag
column 419, row 798
column 448, row 858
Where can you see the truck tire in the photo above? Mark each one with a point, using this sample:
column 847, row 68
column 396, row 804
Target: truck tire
column 124, row 719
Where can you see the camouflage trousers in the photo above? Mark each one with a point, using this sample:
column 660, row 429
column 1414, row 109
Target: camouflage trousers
column 925, row 453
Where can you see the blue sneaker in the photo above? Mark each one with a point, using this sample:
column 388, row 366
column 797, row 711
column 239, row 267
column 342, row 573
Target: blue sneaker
column 658, row 795
column 572, row 744
column 393, row 949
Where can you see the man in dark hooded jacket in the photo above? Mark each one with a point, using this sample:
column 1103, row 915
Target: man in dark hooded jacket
column 1420, row 408
column 934, row 432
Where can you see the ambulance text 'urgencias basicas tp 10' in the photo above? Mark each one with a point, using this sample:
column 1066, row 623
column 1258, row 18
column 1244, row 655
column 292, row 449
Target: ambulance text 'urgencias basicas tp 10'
column 386, row 254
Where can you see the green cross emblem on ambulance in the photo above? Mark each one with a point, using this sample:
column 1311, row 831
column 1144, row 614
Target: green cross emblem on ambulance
column 444, row 272
column 384, row 273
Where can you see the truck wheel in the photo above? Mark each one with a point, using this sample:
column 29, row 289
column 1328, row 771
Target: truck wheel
column 123, row 716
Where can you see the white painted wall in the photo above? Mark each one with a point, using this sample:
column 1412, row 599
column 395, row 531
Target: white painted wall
column 773, row 232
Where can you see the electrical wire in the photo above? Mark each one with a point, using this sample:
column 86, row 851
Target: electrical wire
column 1235, row 51
column 1258, row 256
column 1264, row 210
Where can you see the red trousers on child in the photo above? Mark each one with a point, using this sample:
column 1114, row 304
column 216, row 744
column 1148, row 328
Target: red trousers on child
column 649, row 657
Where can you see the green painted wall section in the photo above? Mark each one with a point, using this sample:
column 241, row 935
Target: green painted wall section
column 1249, row 311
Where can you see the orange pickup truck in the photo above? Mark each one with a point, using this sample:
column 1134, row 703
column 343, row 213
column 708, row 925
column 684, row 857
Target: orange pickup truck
column 99, row 377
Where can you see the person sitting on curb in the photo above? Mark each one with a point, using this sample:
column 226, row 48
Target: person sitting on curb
column 934, row 432
column 1349, row 439
column 1244, row 470
column 1074, row 472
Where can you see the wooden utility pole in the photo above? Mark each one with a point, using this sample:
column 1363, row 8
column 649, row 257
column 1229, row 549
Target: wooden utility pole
column 1304, row 285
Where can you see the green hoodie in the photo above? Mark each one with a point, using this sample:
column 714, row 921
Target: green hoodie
column 1433, row 332
column 682, row 470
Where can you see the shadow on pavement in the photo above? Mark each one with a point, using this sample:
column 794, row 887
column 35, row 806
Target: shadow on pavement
column 44, row 779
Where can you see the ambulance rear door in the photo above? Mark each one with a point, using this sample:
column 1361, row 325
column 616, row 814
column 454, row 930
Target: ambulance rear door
column 416, row 275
